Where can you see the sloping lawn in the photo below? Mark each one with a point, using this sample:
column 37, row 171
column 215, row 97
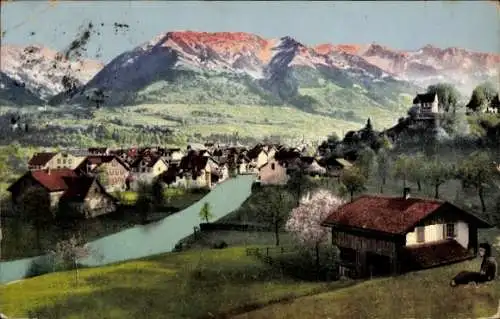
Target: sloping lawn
column 191, row 284
column 418, row 295
column 425, row 294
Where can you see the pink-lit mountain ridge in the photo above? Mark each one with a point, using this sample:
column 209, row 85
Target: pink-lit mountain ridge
column 243, row 68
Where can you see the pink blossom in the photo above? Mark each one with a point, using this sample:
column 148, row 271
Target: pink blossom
column 305, row 220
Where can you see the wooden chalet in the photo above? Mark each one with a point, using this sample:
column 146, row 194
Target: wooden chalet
column 379, row 235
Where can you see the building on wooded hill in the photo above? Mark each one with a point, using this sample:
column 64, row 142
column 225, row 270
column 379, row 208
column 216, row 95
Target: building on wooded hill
column 425, row 105
column 379, row 235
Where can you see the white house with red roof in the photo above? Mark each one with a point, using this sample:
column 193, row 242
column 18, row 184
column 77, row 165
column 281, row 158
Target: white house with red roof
column 387, row 235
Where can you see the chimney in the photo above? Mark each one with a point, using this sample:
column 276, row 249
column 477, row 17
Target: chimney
column 406, row 193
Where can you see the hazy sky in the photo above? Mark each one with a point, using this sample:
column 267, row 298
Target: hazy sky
column 402, row 25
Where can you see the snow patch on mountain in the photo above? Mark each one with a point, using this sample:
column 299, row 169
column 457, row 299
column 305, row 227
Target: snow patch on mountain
column 42, row 70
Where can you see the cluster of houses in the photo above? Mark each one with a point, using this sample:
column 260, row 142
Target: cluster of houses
column 87, row 179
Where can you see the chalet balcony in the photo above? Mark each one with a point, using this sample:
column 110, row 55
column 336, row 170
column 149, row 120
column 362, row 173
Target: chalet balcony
column 435, row 254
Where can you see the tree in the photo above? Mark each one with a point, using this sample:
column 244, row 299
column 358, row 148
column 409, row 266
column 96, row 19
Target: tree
column 383, row 167
column 402, row 168
column 102, row 176
column 96, row 96
column 437, row 173
column 205, row 212
column 478, row 171
column 70, row 252
column 481, row 97
column 158, row 193
column 305, row 220
column 272, row 206
column 366, row 161
column 145, row 200
column 332, row 139
column 35, row 207
column 298, row 184
column 415, row 172
column 448, row 95
column 353, row 181
column 369, row 126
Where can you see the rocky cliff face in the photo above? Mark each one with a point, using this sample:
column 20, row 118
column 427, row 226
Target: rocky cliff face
column 43, row 71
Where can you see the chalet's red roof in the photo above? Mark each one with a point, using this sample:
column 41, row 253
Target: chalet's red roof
column 40, row 159
column 385, row 214
column 434, row 254
column 53, row 180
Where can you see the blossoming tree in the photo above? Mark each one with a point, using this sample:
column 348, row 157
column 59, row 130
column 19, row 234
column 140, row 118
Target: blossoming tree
column 305, row 220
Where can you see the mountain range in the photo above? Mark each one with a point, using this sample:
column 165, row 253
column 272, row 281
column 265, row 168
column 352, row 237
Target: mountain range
column 242, row 68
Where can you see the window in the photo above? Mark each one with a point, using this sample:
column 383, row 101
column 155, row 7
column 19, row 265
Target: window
column 58, row 161
column 64, row 161
column 70, row 161
column 450, row 230
column 273, row 166
column 420, row 234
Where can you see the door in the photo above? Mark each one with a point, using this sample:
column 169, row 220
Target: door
column 378, row 265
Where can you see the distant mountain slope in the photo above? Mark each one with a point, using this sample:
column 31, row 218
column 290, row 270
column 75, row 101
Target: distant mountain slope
column 14, row 93
column 43, row 71
column 238, row 68
column 427, row 65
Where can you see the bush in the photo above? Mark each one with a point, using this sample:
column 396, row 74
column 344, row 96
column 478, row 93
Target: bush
column 178, row 247
column 199, row 191
column 220, row 245
column 301, row 264
column 42, row 266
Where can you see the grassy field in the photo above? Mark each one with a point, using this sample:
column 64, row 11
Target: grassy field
column 191, row 284
column 199, row 119
column 234, row 238
column 174, row 197
column 209, row 283
column 248, row 120
column 418, row 295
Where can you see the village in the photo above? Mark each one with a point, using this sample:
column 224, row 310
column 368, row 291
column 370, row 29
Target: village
column 95, row 175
